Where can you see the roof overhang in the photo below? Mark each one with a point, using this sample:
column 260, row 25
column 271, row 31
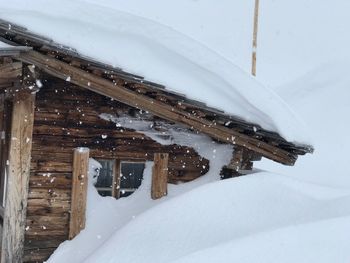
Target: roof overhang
column 63, row 62
column 10, row 50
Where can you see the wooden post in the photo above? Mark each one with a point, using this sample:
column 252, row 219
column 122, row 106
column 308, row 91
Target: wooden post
column 160, row 176
column 18, row 178
column 79, row 191
column 240, row 164
column 255, row 36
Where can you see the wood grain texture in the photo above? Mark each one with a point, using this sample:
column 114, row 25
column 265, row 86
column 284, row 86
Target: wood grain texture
column 160, row 176
column 79, row 191
column 10, row 71
column 18, row 179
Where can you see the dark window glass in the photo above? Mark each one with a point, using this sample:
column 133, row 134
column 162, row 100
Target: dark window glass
column 125, row 193
column 105, row 179
column 131, row 176
column 105, row 193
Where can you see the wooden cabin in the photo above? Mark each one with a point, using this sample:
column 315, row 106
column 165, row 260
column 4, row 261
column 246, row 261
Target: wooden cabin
column 51, row 98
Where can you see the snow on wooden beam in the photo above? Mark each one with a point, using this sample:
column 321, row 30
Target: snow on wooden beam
column 79, row 191
column 107, row 88
column 160, row 176
column 18, row 179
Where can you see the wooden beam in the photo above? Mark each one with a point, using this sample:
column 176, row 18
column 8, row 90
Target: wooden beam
column 79, row 191
column 113, row 90
column 18, row 179
column 160, row 176
column 10, row 70
column 240, row 163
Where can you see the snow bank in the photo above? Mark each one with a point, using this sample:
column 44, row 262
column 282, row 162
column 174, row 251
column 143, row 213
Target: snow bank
column 227, row 210
column 323, row 242
column 226, row 219
column 322, row 97
column 161, row 54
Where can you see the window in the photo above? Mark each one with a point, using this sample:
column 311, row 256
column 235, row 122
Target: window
column 119, row 178
column 106, row 180
column 131, row 174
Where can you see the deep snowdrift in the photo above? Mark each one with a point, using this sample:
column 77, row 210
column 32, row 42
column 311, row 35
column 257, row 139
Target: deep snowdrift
column 238, row 215
column 160, row 54
column 227, row 211
column 322, row 97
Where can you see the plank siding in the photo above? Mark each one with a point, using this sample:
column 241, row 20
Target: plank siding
column 67, row 117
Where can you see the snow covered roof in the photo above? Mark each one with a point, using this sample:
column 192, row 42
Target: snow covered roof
column 192, row 73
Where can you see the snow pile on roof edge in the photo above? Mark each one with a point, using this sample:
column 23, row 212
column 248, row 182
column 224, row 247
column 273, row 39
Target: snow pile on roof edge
column 160, row 54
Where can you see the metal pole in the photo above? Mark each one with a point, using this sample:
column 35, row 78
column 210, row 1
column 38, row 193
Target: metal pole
column 255, row 36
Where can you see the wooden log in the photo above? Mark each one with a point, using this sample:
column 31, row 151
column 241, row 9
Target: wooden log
column 79, row 191
column 18, row 179
column 54, row 181
column 160, row 176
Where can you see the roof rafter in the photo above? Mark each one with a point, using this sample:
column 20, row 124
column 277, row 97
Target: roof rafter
column 105, row 87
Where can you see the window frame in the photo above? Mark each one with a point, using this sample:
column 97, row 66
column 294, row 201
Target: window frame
column 116, row 190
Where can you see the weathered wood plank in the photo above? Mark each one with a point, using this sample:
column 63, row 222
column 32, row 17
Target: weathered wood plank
column 18, row 179
column 38, row 255
column 79, row 191
column 10, row 70
column 53, row 181
column 160, row 176
column 49, row 242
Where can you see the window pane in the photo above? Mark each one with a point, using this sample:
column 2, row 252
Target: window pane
column 125, row 194
column 105, row 193
column 105, row 178
column 131, row 175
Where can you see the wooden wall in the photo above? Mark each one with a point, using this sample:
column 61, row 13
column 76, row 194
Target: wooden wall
column 67, row 117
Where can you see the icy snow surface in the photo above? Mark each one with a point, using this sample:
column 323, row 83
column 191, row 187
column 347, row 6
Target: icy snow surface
column 159, row 53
